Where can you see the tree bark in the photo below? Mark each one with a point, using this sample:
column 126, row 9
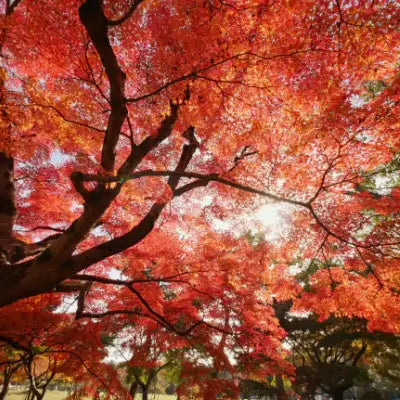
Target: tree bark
column 145, row 393
column 6, row 382
column 7, row 207
column 7, row 203
column 133, row 389
column 337, row 395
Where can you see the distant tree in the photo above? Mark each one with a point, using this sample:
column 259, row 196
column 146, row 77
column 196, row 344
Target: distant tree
column 383, row 362
column 332, row 355
column 11, row 361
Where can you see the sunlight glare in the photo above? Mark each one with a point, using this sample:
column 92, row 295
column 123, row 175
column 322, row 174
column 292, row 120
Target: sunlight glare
column 271, row 217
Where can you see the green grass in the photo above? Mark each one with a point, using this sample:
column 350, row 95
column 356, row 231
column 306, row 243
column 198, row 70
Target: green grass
column 55, row 395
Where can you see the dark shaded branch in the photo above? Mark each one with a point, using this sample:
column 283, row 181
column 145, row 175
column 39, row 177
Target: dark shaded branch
column 121, row 20
column 108, row 313
column 100, row 279
column 63, row 117
column 333, row 234
column 22, row 250
column 156, row 316
column 370, row 268
column 42, row 227
column 8, row 372
column 195, row 73
column 243, row 154
column 359, row 354
column 69, row 287
column 151, row 142
column 10, row 7
column 189, row 75
column 91, row 77
column 54, row 265
column 15, row 344
column 92, row 16
column 188, row 187
column 76, row 355
column 7, row 206
column 131, row 138
column 141, row 230
column 81, row 298
column 187, row 154
column 206, row 178
column 80, row 187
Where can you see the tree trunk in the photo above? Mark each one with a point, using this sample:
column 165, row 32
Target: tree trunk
column 281, row 387
column 7, row 206
column 337, row 395
column 29, row 395
column 40, row 395
column 145, row 392
column 7, row 203
column 6, row 382
column 133, row 389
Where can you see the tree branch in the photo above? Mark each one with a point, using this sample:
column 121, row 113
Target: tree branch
column 11, row 6
column 206, row 178
column 15, row 344
column 121, row 20
column 92, row 16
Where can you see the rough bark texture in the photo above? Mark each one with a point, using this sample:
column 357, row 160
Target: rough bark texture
column 6, row 383
column 92, row 17
column 7, row 207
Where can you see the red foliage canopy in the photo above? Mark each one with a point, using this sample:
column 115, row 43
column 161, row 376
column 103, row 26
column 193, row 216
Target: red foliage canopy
column 131, row 127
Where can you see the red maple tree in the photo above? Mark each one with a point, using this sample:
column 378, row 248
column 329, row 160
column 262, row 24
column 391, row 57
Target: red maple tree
column 129, row 128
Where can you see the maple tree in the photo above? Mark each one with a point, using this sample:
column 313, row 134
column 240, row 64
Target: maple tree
column 326, row 354
column 383, row 365
column 9, row 365
column 149, row 346
column 130, row 128
column 41, row 345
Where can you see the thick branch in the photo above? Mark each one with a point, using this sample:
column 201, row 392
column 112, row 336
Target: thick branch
column 7, row 206
column 141, row 230
column 11, row 6
column 152, row 141
column 359, row 354
column 68, row 287
column 92, row 16
column 53, row 265
column 22, row 250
